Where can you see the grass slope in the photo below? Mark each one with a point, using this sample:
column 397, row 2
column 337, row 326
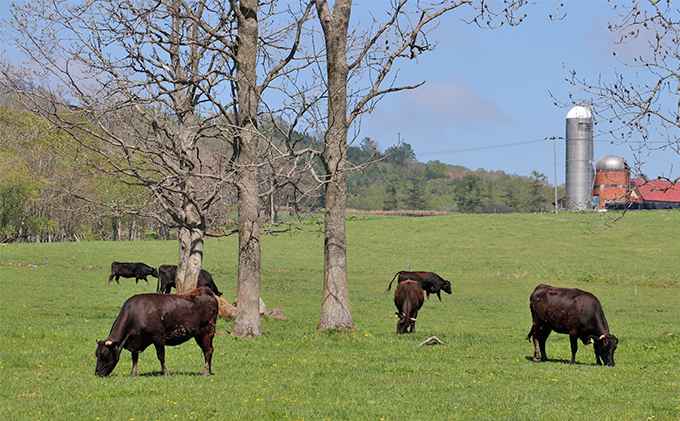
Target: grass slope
column 52, row 311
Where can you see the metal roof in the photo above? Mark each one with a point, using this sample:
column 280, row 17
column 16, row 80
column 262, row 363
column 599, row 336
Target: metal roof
column 611, row 163
column 579, row 112
column 654, row 191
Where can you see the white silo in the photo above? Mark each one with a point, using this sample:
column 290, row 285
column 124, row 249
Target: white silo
column 580, row 159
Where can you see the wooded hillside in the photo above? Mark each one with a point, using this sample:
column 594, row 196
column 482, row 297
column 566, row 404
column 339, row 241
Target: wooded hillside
column 46, row 196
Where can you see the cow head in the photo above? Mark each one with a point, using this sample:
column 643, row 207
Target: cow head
column 108, row 354
column 605, row 346
column 446, row 287
column 404, row 323
column 154, row 273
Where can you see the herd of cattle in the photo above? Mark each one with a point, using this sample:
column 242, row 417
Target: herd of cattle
column 172, row 319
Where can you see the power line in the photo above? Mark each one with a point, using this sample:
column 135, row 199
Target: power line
column 526, row 142
column 483, row 148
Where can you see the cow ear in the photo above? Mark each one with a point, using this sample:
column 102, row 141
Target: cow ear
column 99, row 341
column 111, row 344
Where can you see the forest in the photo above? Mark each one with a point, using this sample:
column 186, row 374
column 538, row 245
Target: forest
column 46, row 196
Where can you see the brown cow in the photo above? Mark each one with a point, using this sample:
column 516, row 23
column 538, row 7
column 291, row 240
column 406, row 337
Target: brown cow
column 430, row 282
column 167, row 275
column 132, row 270
column 575, row 313
column 159, row 319
column 408, row 297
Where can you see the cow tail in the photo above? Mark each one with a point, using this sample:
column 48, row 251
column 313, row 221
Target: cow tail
column 390, row 286
column 532, row 332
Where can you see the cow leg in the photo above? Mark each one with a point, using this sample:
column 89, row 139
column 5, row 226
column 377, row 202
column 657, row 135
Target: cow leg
column 111, row 277
column 540, row 336
column 427, row 295
column 574, row 347
column 413, row 323
column 117, row 279
column 160, row 353
column 147, row 281
column 135, row 358
column 439, row 295
column 205, row 342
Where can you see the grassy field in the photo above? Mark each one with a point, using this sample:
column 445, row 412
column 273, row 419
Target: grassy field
column 55, row 302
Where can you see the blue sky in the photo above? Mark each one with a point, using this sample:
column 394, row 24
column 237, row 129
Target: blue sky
column 488, row 88
column 486, row 102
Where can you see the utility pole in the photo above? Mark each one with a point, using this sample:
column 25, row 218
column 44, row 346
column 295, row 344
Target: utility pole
column 554, row 139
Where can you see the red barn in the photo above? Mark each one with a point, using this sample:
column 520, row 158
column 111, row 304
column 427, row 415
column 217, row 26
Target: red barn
column 654, row 194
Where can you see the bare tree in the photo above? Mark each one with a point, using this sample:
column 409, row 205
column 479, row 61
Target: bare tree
column 368, row 56
column 641, row 101
column 165, row 95
column 135, row 84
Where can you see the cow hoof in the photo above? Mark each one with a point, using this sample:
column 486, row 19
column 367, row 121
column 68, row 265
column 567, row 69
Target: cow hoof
column 537, row 360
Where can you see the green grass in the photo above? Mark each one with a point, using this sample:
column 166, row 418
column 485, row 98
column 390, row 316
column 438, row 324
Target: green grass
column 51, row 314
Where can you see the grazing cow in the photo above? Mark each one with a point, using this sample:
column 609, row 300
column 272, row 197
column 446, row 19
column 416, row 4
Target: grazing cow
column 160, row 320
column 168, row 274
column 575, row 313
column 430, row 282
column 408, row 297
column 132, row 270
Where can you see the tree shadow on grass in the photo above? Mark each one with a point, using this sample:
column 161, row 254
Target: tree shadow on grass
column 173, row 374
column 554, row 360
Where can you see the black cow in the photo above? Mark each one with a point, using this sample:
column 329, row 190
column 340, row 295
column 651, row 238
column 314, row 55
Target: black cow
column 575, row 313
column 160, row 320
column 132, row 270
column 430, row 282
column 408, row 297
column 168, row 274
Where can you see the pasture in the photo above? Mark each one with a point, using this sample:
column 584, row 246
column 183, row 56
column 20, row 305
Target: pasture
column 55, row 302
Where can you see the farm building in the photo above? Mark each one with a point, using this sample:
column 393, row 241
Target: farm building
column 612, row 182
column 614, row 189
column 654, row 194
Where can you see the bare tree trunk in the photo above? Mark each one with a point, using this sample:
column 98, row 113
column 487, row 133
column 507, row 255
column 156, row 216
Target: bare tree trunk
column 190, row 250
column 247, row 322
column 335, row 308
column 133, row 228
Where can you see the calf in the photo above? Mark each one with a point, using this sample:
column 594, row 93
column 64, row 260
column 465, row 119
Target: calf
column 132, row 270
column 575, row 313
column 430, row 282
column 160, row 320
column 408, row 297
column 168, row 274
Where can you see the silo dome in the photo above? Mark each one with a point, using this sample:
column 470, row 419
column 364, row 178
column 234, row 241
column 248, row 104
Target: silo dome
column 611, row 163
column 579, row 112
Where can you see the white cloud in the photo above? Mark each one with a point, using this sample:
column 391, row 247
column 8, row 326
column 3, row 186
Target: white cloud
column 436, row 103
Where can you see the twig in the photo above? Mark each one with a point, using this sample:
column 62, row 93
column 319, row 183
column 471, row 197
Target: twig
column 431, row 339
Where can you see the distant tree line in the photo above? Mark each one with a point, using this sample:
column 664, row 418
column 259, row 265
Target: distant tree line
column 399, row 182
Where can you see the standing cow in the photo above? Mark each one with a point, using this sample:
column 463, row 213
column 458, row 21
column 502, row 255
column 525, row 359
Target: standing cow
column 430, row 282
column 160, row 320
column 132, row 270
column 167, row 275
column 408, row 297
column 575, row 313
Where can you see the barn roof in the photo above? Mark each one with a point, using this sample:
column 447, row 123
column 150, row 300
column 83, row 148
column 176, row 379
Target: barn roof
column 654, row 191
